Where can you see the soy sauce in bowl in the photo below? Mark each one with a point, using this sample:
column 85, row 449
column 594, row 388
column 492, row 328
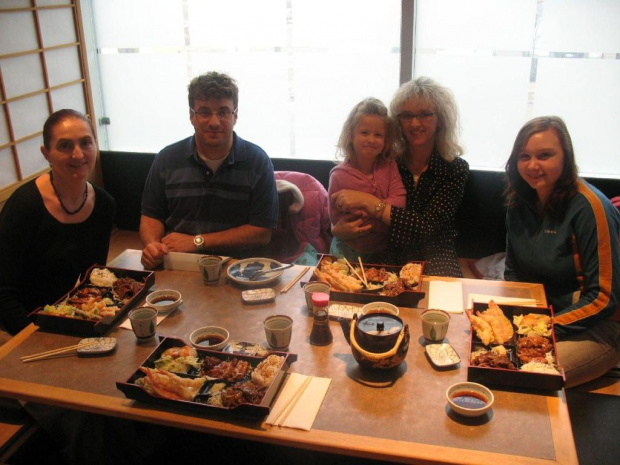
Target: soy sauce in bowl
column 209, row 340
column 469, row 399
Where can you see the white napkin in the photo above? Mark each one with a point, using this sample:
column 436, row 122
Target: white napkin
column 307, row 394
column 184, row 261
column 446, row 295
column 483, row 298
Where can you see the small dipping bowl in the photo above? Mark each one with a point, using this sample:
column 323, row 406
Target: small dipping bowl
column 164, row 300
column 210, row 337
column 470, row 399
column 380, row 307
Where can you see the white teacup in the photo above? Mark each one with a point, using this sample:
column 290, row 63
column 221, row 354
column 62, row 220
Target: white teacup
column 278, row 331
column 435, row 324
column 211, row 269
column 143, row 322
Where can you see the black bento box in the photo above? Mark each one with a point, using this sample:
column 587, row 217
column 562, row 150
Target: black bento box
column 88, row 328
column 514, row 378
column 199, row 405
column 404, row 299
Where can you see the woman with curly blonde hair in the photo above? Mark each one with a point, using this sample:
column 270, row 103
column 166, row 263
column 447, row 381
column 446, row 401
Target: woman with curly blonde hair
column 434, row 176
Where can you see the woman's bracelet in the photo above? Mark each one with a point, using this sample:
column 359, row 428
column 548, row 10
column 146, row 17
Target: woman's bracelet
column 379, row 208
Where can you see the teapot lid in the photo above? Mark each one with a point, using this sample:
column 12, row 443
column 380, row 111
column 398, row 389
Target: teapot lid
column 380, row 324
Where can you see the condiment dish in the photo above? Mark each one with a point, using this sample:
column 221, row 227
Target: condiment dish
column 380, row 307
column 164, row 300
column 210, row 337
column 470, row 399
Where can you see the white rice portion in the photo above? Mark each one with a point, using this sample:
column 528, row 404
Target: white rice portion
column 539, row 367
column 102, row 277
column 265, row 371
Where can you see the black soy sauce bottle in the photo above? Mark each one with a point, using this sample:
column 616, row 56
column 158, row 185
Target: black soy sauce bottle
column 321, row 334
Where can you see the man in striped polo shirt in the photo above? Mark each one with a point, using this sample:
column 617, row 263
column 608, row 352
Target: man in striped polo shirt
column 212, row 192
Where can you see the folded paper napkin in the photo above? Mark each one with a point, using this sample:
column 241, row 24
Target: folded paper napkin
column 498, row 299
column 446, row 295
column 184, row 261
column 299, row 401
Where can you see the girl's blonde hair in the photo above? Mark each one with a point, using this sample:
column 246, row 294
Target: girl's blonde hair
column 368, row 106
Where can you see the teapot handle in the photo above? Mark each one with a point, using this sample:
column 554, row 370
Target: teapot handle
column 372, row 356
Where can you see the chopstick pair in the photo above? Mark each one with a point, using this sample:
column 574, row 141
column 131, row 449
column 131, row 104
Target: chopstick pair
column 54, row 353
column 288, row 408
column 362, row 279
column 287, row 288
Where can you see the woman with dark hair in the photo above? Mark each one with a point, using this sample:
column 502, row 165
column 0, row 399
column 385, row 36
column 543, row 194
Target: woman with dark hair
column 563, row 232
column 434, row 175
column 53, row 228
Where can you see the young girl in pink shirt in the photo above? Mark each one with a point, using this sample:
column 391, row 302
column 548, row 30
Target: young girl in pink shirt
column 366, row 143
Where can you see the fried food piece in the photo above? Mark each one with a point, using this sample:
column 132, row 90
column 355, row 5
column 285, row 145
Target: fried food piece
column 501, row 326
column 339, row 281
column 534, row 349
column 168, row 385
column 482, row 328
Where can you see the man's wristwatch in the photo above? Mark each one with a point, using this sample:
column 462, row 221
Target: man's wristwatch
column 199, row 242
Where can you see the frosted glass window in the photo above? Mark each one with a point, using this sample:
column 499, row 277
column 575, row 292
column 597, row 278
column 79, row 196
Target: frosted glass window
column 7, row 167
column 578, row 26
column 592, row 116
column 22, row 75
column 263, row 24
column 300, row 66
column 508, row 61
column 17, row 32
column 28, row 115
column 63, row 65
column 492, row 101
column 483, row 24
column 69, row 97
column 30, row 157
column 140, row 23
column 146, row 100
column 57, row 26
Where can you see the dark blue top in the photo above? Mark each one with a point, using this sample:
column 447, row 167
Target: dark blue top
column 183, row 193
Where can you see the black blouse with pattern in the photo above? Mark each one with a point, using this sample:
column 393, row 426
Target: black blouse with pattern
column 425, row 229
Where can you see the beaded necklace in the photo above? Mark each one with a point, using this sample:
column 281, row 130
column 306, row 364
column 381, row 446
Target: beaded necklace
column 67, row 211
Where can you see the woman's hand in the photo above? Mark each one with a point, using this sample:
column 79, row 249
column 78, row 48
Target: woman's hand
column 350, row 227
column 347, row 200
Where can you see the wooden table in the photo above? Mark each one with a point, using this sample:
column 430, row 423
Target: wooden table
column 400, row 417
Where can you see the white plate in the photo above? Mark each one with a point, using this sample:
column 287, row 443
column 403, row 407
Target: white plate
column 241, row 271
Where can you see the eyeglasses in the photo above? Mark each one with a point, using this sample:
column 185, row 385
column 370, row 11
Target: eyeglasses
column 423, row 117
column 206, row 114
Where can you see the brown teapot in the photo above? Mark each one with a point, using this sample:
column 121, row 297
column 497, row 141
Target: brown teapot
column 377, row 340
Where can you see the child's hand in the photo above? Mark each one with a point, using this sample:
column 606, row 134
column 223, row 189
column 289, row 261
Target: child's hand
column 351, row 227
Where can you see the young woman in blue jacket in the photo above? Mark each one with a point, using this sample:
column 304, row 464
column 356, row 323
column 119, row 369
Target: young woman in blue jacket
column 563, row 232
